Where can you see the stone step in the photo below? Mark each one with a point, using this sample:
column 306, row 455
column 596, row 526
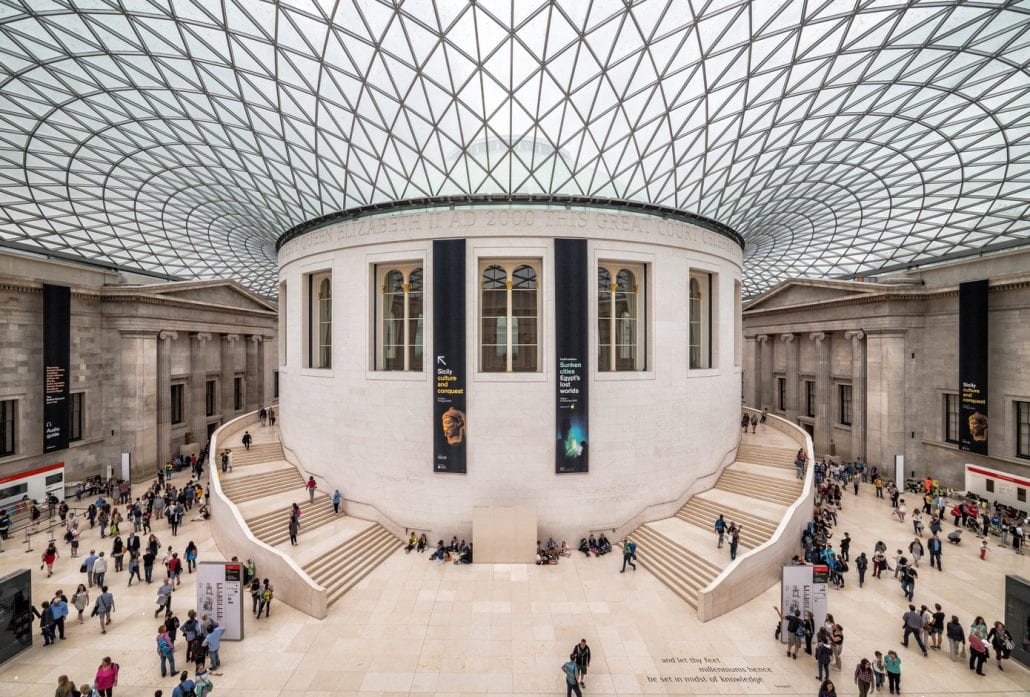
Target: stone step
column 749, row 537
column 756, row 486
column 242, row 483
column 258, row 453
column 343, row 567
column 682, row 571
column 747, row 490
column 277, row 531
column 267, row 486
column 279, row 513
column 771, row 456
column 711, row 510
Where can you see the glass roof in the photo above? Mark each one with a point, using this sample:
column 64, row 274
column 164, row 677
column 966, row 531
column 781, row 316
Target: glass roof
column 838, row 137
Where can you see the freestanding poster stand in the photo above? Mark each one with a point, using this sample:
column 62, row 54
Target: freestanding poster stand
column 220, row 595
column 803, row 588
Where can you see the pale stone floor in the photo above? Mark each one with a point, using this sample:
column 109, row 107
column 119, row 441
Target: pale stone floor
column 414, row 628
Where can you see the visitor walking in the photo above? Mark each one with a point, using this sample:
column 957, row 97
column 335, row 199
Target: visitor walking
column 106, row 678
column 581, row 656
column 337, row 499
column 265, row 604
column 629, row 553
column 103, row 607
column 864, row 677
column 311, row 486
column 247, row 440
column 573, row 677
column 892, row 662
column 956, row 639
column 913, row 622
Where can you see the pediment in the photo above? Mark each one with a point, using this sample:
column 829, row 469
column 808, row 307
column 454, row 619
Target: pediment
column 225, row 293
column 793, row 293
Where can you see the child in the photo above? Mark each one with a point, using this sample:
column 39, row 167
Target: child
column 983, row 550
column 879, row 671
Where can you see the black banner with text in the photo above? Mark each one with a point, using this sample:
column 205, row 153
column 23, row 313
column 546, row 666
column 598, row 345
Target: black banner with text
column 571, row 314
column 972, row 366
column 56, row 348
column 450, row 430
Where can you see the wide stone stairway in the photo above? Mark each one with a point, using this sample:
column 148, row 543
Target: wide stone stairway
column 335, row 550
column 754, row 492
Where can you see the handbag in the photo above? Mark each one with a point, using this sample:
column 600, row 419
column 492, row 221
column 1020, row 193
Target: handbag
column 1009, row 645
column 82, row 569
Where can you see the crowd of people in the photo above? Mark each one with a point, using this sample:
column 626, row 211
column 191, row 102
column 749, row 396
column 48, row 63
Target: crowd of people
column 927, row 625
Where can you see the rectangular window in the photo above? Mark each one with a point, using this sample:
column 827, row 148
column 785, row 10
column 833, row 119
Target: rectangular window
column 399, row 310
column 621, row 309
column 700, row 320
column 1023, row 429
column 509, row 313
column 1021, row 494
column 209, row 398
column 237, row 393
column 282, row 324
column 8, row 409
column 15, row 491
column 810, row 398
column 75, row 419
column 320, row 320
column 177, row 406
column 990, row 485
column 275, row 384
column 54, row 479
column 845, row 405
column 781, row 394
column 951, row 418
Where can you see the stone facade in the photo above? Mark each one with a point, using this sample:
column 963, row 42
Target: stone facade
column 131, row 339
column 894, row 343
column 370, row 432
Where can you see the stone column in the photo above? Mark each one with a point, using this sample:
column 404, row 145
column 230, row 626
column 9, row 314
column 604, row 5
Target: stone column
column 254, row 396
column 198, row 386
column 793, row 357
column 885, row 394
column 164, row 395
column 228, row 373
column 137, row 359
column 858, row 396
column 765, row 377
column 823, row 393
column 750, row 371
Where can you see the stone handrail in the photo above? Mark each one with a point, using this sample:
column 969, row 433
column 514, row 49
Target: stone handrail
column 233, row 536
column 756, row 570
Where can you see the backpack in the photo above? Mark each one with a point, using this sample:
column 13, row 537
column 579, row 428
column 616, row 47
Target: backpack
column 266, row 594
column 720, row 525
column 163, row 646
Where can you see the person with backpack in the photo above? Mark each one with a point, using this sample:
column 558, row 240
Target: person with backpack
column 720, row 529
column 202, row 681
column 573, row 677
column 186, row 687
column 861, row 563
column 629, row 553
column 265, row 599
column 190, row 631
column 795, row 631
column 166, row 651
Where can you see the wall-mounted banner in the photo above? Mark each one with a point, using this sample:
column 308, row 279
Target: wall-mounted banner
column 450, row 425
column 571, row 314
column 972, row 366
column 56, row 352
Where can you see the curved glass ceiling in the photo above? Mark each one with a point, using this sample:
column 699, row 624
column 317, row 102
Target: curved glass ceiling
column 184, row 137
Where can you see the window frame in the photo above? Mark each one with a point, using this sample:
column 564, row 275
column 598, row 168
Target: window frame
column 845, row 404
column 237, row 393
column 704, row 307
column 210, row 397
column 950, row 417
column 1022, row 430
column 616, row 363
column 408, row 345
column 781, row 393
column 810, row 398
column 76, row 416
column 510, row 265
column 319, row 313
column 177, row 403
column 8, row 427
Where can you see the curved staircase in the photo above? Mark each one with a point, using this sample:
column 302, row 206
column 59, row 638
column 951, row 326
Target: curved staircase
column 340, row 569
column 754, row 492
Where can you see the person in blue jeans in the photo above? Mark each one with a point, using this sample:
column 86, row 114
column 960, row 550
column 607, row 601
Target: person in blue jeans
column 212, row 642
column 823, row 654
column 629, row 553
column 166, row 650
column 573, row 676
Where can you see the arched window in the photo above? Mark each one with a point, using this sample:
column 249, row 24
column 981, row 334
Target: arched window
column 619, row 308
column 699, row 320
column 400, row 310
column 509, row 313
column 319, row 348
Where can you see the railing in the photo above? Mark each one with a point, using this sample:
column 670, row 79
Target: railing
column 753, row 572
column 234, row 537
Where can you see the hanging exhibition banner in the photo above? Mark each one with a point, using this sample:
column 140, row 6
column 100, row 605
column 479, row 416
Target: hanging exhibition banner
column 803, row 588
column 450, row 428
column 220, row 595
column 571, row 314
column 56, row 352
column 972, row 366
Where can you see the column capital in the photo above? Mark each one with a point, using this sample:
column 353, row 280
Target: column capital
column 230, row 337
column 855, row 335
column 202, row 336
column 762, row 338
column 256, row 338
column 786, row 338
column 166, row 335
column 818, row 336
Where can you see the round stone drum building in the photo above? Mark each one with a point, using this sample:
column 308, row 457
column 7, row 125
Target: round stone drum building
column 578, row 356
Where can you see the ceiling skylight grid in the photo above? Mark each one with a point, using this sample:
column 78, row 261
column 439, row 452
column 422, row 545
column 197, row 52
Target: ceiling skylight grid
column 183, row 137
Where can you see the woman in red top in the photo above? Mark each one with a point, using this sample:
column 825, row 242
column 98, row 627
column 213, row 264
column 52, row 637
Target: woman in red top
column 49, row 557
column 107, row 677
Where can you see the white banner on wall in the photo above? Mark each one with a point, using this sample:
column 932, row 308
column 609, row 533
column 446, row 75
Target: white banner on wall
column 220, row 595
column 899, row 472
column 803, row 588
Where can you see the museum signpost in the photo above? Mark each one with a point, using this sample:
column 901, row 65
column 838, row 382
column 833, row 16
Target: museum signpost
column 450, row 430
column 220, row 595
column 803, row 588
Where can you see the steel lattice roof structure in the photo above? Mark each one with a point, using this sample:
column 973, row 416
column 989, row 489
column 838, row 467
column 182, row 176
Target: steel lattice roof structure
column 182, row 137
